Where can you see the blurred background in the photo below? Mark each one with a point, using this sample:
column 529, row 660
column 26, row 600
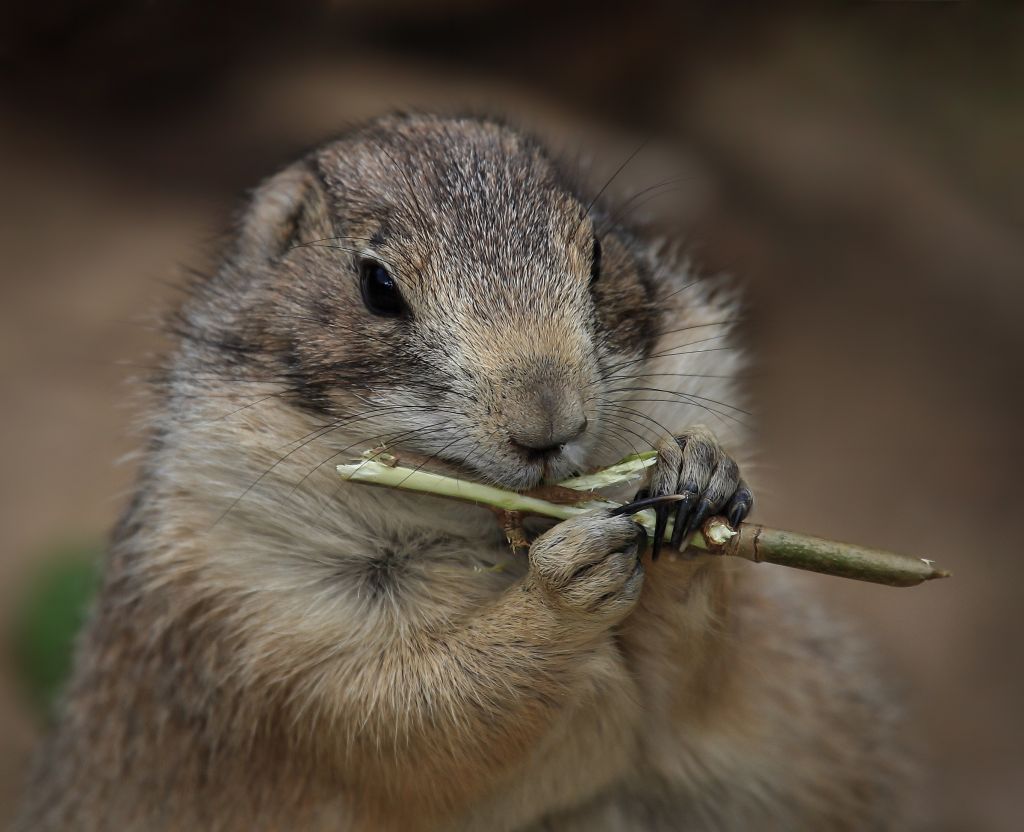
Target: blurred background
column 859, row 165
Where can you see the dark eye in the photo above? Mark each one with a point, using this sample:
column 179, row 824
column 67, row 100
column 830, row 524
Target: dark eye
column 380, row 292
column 595, row 261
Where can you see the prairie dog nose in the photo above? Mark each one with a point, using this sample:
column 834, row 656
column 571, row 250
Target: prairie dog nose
column 545, row 418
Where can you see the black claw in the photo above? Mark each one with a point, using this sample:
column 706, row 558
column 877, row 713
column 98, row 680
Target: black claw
column 682, row 517
column 640, row 505
column 661, row 505
column 642, row 494
column 641, row 541
column 702, row 513
column 739, row 506
column 660, row 525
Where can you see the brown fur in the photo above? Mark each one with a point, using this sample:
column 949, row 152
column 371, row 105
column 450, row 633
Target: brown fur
column 274, row 650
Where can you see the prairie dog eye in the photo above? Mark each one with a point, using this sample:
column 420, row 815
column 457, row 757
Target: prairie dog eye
column 595, row 262
column 380, row 292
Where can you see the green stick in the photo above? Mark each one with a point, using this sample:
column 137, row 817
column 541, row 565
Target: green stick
column 751, row 541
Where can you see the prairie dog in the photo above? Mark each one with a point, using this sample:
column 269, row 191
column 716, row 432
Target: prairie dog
column 275, row 650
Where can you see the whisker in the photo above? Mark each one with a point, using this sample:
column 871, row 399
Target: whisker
column 645, row 439
column 618, row 418
column 616, row 433
column 369, row 414
column 679, row 393
column 401, row 436
column 637, row 376
column 616, row 218
column 430, row 458
column 244, row 407
column 683, row 288
column 611, row 179
column 721, row 416
column 642, row 415
column 726, row 322
column 610, row 370
column 260, row 478
column 670, row 350
column 669, row 354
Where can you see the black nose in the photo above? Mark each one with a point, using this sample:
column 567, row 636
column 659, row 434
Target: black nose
column 546, row 443
column 543, row 414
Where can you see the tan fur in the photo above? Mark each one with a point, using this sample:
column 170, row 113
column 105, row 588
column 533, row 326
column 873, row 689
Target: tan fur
column 275, row 650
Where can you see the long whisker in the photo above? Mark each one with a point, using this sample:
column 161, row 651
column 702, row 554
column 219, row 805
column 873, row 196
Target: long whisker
column 640, row 413
column 646, row 440
column 718, row 414
column 615, row 430
column 611, row 369
column 683, row 288
column 670, row 353
column 726, row 322
column 611, row 179
column 671, row 350
column 386, row 441
column 661, row 187
column 300, row 446
column 678, row 393
column 392, row 438
column 638, row 376
column 618, row 419
column 231, row 413
column 350, row 418
column 430, row 458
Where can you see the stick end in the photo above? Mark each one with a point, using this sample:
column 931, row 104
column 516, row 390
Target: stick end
column 935, row 573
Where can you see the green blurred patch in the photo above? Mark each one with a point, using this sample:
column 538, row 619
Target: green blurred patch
column 49, row 617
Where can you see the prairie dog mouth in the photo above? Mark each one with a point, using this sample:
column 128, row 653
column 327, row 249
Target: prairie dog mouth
column 543, row 469
column 539, row 456
column 548, row 467
column 532, row 468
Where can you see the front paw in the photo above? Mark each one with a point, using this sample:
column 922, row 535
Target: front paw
column 696, row 467
column 590, row 566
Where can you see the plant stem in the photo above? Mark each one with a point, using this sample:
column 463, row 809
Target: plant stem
column 751, row 541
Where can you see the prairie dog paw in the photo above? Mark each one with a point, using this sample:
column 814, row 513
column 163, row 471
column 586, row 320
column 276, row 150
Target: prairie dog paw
column 695, row 466
column 591, row 565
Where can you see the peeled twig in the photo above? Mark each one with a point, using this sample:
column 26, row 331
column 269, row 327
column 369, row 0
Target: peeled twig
column 761, row 544
column 751, row 541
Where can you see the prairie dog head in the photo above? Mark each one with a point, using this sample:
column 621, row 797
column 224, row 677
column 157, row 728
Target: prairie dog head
column 436, row 285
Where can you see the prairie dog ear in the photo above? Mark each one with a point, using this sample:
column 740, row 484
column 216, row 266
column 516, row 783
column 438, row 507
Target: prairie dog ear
column 288, row 208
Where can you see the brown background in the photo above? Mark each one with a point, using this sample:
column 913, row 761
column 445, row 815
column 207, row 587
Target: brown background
column 861, row 169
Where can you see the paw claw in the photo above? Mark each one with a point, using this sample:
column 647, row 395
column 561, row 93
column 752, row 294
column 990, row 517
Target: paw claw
column 660, row 525
column 739, row 505
column 707, row 479
column 683, row 516
column 641, row 542
column 703, row 512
